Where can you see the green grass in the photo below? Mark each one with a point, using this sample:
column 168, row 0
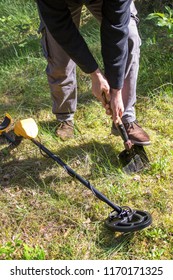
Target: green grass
column 45, row 214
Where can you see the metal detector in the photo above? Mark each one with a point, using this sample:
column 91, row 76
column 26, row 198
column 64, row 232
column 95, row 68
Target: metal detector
column 121, row 219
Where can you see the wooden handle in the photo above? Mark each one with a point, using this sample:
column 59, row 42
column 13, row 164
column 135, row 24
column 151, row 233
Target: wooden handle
column 121, row 129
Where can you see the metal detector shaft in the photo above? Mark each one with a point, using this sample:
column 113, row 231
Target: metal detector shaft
column 72, row 173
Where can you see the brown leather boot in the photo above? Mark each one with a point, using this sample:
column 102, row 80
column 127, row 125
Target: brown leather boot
column 135, row 133
column 65, row 130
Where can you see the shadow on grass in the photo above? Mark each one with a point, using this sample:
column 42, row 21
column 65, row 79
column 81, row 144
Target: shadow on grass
column 113, row 242
column 68, row 153
column 27, row 171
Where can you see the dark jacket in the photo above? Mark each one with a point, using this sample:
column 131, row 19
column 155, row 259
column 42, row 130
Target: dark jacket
column 114, row 34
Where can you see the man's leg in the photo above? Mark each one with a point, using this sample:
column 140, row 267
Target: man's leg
column 136, row 134
column 61, row 74
column 132, row 67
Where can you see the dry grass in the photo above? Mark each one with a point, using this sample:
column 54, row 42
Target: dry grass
column 45, row 214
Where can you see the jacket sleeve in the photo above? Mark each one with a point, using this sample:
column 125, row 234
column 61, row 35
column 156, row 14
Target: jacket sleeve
column 114, row 40
column 58, row 20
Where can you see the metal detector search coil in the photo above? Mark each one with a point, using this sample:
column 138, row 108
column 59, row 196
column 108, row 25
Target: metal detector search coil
column 129, row 221
column 121, row 219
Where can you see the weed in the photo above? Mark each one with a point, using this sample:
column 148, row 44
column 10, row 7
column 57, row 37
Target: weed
column 20, row 250
column 164, row 20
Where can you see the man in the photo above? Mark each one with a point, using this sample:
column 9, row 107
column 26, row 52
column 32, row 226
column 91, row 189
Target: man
column 64, row 47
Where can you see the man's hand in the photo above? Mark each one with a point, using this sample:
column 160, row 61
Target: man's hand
column 100, row 86
column 111, row 98
column 115, row 107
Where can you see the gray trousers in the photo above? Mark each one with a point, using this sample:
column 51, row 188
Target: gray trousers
column 61, row 70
